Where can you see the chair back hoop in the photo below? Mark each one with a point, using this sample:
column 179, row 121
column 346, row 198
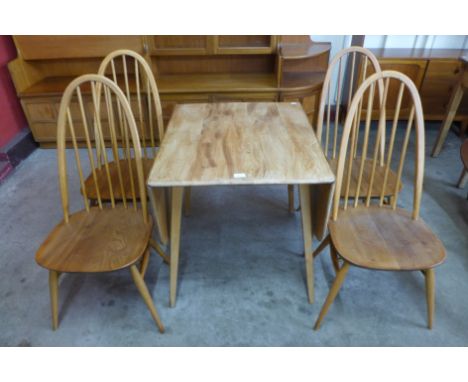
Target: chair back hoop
column 345, row 165
column 74, row 114
column 144, row 83
column 331, row 133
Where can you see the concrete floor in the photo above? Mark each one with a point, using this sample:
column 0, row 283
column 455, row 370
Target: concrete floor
column 241, row 279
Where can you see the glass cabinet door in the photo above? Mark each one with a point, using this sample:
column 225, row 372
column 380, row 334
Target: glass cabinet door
column 251, row 44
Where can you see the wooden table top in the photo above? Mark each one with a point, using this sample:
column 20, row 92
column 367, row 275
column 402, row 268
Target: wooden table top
column 239, row 143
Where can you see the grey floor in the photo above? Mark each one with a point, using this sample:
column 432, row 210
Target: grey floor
column 241, row 279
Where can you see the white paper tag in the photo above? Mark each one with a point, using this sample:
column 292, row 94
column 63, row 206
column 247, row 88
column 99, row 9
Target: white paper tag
column 239, row 175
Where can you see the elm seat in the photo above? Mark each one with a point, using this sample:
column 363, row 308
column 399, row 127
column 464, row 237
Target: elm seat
column 381, row 238
column 96, row 241
column 103, row 183
column 377, row 183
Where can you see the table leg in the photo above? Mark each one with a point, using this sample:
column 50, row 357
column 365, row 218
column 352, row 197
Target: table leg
column 291, row 197
column 306, row 209
column 158, row 203
column 322, row 199
column 176, row 212
column 455, row 100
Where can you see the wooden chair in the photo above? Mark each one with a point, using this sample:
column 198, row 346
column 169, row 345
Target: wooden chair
column 102, row 238
column 379, row 236
column 133, row 75
column 328, row 131
column 346, row 85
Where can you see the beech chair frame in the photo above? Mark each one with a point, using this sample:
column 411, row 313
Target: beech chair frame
column 343, row 179
column 143, row 79
column 339, row 59
column 144, row 83
column 416, row 111
column 355, row 56
column 325, row 96
column 132, row 157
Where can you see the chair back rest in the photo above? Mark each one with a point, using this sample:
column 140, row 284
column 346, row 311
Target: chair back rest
column 80, row 111
column 351, row 66
column 369, row 147
column 133, row 75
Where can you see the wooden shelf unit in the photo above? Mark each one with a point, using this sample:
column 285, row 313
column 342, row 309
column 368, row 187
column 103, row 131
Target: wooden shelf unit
column 187, row 69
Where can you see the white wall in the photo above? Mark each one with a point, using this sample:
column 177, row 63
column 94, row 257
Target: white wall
column 417, row 41
column 397, row 41
column 338, row 42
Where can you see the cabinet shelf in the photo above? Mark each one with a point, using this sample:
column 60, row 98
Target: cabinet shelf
column 181, row 83
column 302, row 81
column 198, row 83
column 208, row 83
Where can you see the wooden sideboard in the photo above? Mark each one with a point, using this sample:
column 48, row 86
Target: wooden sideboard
column 187, row 69
column 434, row 72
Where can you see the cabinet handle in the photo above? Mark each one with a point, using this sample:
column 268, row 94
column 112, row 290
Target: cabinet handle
column 456, row 71
column 145, row 47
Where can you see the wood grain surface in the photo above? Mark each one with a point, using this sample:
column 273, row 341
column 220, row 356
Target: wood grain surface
column 96, row 241
column 103, row 183
column 239, row 143
column 382, row 238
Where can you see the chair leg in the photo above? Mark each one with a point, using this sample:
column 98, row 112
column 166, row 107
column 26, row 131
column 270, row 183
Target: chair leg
column 53, row 288
column 140, row 284
column 430, row 285
column 334, row 258
column 154, row 244
column 332, row 294
column 144, row 263
column 291, row 197
column 187, row 196
column 452, row 108
column 322, row 245
column 463, row 178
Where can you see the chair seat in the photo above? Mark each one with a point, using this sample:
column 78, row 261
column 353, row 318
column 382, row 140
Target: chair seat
column 96, row 241
column 381, row 238
column 103, row 183
column 377, row 183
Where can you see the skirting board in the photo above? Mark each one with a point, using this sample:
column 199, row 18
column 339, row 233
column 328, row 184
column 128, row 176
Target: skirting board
column 15, row 152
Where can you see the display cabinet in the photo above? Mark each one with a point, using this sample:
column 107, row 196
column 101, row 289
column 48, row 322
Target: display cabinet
column 187, row 69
